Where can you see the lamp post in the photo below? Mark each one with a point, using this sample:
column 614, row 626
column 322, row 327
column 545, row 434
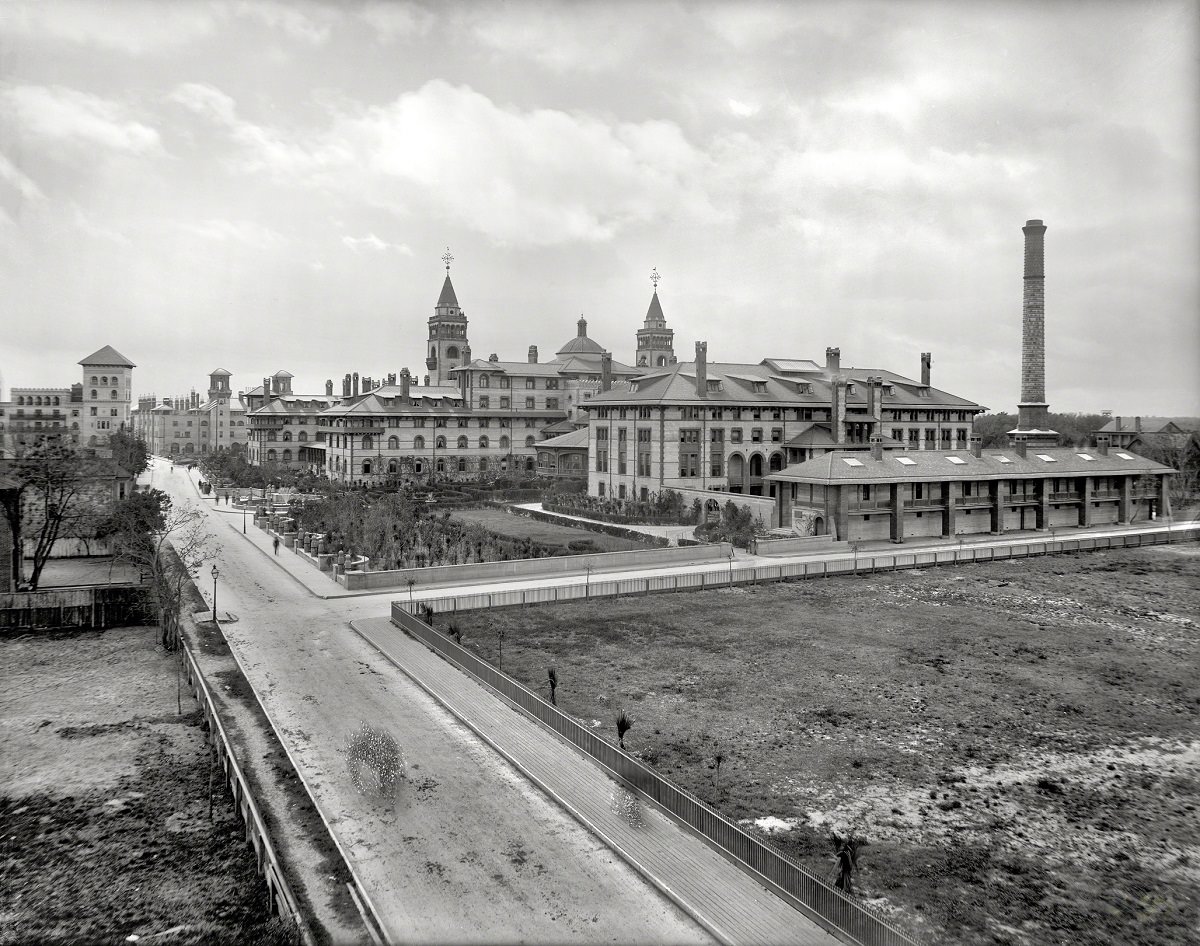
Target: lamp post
column 243, row 515
column 587, row 582
column 215, row 573
column 731, row 568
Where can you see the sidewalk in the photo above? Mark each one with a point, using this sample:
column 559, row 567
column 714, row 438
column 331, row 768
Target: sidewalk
column 724, row 899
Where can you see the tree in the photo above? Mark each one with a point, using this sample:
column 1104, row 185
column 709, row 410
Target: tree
column 166, row 544
column 51, row 497
column 1182, row 454
column 129, row 452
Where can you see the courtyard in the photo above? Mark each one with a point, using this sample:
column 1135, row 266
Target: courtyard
column 1016, row 743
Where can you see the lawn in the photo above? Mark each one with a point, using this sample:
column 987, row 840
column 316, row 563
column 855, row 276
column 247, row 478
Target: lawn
column 1018, row 743
column 522, row 527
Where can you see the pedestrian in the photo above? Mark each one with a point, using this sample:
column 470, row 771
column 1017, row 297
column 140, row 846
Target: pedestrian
column 276, row 544
column 845, row 868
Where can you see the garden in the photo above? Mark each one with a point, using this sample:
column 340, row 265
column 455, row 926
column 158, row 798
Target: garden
column 734, row 523
column 1013, row 747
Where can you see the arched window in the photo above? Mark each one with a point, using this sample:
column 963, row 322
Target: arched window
column 503, row 443
column 271, row 455
column 56, row 402
column 418, row 466
column 530, row 441
column 20, row 400
column 366, row 467
column 287, row 436
column 93, row 391
column 483, row 443
column 441, row 465
column 112, row 395
column 302, row 436
column 452, row 352
column 272, row 435
column 392, row 467
column 368, row 442
column 95, row 380
column 393, row 443
column 462, row 443
column 662, row 360
column 484, row 382
column 483, row 464
column 104, row 379
column 287, row 456
column 418, row 442
column 440, row 443
column 529, row 464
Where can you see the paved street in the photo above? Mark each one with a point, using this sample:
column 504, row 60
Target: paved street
column 469, row 851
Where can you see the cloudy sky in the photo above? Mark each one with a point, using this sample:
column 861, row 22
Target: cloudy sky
column 256, row 185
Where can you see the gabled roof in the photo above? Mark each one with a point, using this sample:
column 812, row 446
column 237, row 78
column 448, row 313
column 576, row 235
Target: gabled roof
column 1150, row 425
column 295, row 404
column 387, row 400
column 913, row 466
column 560, row 427
column 447, row 298
column 575, row 439
column 107, row 356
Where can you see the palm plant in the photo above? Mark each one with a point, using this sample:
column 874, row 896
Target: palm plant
column 624, row 724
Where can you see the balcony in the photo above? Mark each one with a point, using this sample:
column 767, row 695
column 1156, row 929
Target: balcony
column 1067, row 496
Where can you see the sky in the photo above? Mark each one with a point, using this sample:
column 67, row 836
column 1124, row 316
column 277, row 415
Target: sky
column 258, row 185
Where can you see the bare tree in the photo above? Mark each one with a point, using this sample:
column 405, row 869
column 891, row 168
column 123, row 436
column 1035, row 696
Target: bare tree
column 52, row 480
column 166, row 544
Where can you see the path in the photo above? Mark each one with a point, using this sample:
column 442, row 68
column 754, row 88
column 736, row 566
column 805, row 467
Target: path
column 469, row 851
column 724, row 898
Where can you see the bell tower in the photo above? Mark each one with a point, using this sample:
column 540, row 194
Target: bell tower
column 447, row 332
column 655, row 342
column 218, row 385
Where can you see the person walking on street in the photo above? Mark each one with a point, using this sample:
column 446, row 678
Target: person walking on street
column 276, row 544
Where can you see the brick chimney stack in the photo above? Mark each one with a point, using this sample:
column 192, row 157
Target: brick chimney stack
column 1033, row 330
column 833, row 359
column 346, row 386
column 877, row 449
column 926, row 364
column 701, row 369
column 533, row 354
column 329, row 387
column 354, row 384
column 405, row 383
column 1102, row 444
column 605, row 371
column 837, row 410
column 266, row 390
column 976, row 445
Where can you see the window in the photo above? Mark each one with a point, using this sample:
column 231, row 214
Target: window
column 483, row 443
column 93, row 394
column 484, row 422
column 392, row 467
column 483, row 401
column 530, row 441
column 418, row 421
column 462, row 464
column 393, row 443
column 505, row 403
column 530, row 384
column 287, row 435
column 366, row 467
column 756, row 435
column 439, row 443
column 551, row 403
column 735, row 435
column 504, row 442
column 112, row 395
column 552, row 384
column 504, row 382
column 462, row 443
column 602, row 451
column 287, row 456
column 418, row 442
column 529, row 404
column 484, row 382
column 776, row 434
column 483, row 464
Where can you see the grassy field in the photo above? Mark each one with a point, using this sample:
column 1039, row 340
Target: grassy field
column 1018, row 743
column 522, row 527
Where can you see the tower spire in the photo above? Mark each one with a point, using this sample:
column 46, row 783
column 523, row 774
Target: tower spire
column 654, row 278
column 447, row 258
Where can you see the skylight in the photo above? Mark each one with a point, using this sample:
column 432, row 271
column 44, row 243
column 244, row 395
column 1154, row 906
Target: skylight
column 1000, row 459
column 1124, row 456
column 1085, row 456
column 1046, row 457
column 907, row 461
column 959, row 460
column 850, row 461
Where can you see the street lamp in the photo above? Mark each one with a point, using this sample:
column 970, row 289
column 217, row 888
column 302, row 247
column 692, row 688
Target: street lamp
column 215, row 573
column 587, row 582
column 244, row 505
column 731, row 568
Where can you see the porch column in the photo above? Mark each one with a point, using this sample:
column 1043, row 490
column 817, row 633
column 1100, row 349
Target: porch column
column 1125, row 502
column 951, row 492
column 842, row 512
column 996, row 494
column 896, row 491
column 1043, row 506
column 1164, row 497
column 1085, row 501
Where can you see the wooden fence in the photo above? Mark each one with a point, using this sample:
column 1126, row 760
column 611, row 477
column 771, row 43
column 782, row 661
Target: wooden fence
column 94, row 607
column 850, row 563
column 805, row 890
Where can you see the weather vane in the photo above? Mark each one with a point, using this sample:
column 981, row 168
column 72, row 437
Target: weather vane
column 655, row 277
column 447, row 259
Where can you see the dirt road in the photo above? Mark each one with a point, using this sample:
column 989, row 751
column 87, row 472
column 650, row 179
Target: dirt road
column 467, row 851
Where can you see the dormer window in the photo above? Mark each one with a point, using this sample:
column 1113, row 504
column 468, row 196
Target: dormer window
column 889, row 390
column 716, row 386
column 922, row 392
column 760, row 387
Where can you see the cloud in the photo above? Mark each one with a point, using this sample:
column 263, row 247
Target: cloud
column 206, row 100
column 573, row 38
column 97, row 230
column 743, row 109
column 24, row 185
column 372, row 242
column 395, row 20
column 59, row 114
column 240, row 231
column 309, row 23
column 135, row 27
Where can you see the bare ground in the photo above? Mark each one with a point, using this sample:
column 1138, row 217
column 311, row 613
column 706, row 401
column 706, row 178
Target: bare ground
column 105, row 806
column 1018, row 742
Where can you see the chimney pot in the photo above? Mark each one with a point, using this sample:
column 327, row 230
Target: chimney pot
column 1102, row 444
column 833, row 359
column 976, row 445
column 1021, row 447
column 426, row 381
column 405, row 384
column 877, row 448
column 533, row 354
column 354, row 384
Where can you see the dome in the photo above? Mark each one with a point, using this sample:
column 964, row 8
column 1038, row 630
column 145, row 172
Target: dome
column 581, row 344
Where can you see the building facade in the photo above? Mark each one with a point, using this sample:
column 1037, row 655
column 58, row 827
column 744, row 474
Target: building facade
column 189, row 426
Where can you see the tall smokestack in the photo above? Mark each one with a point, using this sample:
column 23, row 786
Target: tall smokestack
column 701, row 369
column 926, row 364
column 1033, row 328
